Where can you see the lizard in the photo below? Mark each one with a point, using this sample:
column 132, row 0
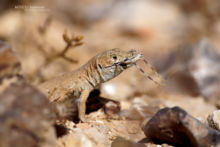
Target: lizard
column 78, row 83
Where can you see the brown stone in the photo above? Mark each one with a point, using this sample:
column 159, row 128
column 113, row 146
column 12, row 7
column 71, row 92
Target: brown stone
column 176, row 127
column 9, row 63
column 25, row 117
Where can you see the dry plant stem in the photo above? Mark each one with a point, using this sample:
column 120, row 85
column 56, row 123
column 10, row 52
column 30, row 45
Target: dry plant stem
column 74, row 41
column 42, row 29
column 69, row 44
column 78, row 84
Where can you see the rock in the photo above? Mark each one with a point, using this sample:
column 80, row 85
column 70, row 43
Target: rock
column 205, row 67
column 9, row 63
column 119, row 89
column 112, row 108
column 10, row 66
column 25, row 117
column 140, row 110
column 176, row 127
column 214, row 120
column 71, row 140
column 193, row 70
column 85, row 135
column 121, row 142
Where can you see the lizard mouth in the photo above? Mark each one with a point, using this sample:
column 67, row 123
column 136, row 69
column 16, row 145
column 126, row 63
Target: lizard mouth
column 123, row 65
column 128, row 62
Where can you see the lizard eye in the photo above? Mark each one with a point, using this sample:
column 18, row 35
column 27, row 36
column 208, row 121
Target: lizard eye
column 114, row 57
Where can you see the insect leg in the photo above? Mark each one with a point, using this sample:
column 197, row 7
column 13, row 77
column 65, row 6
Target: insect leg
column 149, row 77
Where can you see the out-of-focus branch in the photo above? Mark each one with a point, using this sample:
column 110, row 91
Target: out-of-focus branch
column 71, row 42
column 43, row 28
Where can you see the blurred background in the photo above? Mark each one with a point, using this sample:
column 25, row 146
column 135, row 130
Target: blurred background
column 179, row 38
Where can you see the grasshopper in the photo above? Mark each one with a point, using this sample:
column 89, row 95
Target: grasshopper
column 79, row 83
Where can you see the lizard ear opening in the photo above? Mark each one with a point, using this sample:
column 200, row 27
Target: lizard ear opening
column 100, row 66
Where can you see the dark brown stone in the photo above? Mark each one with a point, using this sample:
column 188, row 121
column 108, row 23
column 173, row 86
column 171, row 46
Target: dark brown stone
column 176, row 127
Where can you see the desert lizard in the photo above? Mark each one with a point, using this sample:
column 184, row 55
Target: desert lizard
column 79, row 83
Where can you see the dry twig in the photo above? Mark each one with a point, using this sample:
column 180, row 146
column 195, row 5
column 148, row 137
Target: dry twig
column 71, row 42
column 43, row 28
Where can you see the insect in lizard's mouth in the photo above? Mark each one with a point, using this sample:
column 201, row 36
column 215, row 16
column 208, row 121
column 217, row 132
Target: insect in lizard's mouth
column 129, row 62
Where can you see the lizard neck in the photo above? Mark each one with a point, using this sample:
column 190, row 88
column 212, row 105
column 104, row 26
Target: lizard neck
column 92, row 74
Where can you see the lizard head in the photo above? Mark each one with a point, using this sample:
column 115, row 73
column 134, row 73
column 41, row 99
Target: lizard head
column 112, row 62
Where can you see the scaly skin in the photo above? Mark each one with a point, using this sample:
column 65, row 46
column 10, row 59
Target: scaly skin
column 79, row 83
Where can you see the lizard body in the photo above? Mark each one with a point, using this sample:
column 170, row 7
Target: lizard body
column 79, row 83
